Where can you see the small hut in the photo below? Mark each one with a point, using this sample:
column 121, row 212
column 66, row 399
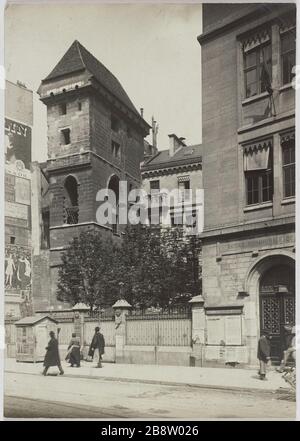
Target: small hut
column 33, row 337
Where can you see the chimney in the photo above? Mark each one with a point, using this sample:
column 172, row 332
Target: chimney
column 175, row 144
column 142, row 112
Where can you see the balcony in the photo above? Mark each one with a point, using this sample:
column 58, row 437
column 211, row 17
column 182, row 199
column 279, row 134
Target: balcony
column 71, row 215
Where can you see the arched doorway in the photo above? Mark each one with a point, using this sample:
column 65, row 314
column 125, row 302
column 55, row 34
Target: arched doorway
column 277, row 305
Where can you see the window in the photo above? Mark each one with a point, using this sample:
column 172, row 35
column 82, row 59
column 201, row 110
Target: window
column 155, row 186
column 115, row 150
column 184, row 187
column 257, row 67
column 63, row 109
column 12, row 240
column 258, row 169
column 45, row 242
column 288, row 56
column 114, row 124
column 65, row 136
column 79, row 106
column 71, row 210
column 288, row 166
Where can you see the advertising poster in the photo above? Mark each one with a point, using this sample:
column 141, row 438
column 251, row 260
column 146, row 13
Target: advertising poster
column 17, row 143
column 17, row 267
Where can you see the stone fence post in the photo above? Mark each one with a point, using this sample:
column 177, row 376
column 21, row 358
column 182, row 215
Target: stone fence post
column 121, row 309
column 198, row 329
column 80, row 310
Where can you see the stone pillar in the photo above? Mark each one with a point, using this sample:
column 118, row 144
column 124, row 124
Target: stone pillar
column 121, row 309
column 80, row 310
column 198, row 329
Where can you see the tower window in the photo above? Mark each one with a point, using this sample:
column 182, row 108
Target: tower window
column 79, row 106
column 65, row 136
column 63, row 108
column 71, row 209
column 115, row 150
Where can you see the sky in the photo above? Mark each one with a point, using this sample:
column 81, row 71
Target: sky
column 152, row 49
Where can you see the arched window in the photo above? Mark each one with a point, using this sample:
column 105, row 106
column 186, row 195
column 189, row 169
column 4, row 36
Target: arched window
column 114, row 186
column 71, row 209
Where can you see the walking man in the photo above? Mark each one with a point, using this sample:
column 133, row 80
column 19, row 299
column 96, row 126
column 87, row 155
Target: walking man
column 98, row 344
column 264, row 353
column 52, row 355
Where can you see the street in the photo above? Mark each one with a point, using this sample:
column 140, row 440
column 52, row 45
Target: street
column 33, row 396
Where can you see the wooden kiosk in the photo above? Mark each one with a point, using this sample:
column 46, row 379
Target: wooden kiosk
column 33, row 336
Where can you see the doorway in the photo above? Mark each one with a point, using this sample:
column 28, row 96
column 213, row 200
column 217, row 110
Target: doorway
column 277, row 306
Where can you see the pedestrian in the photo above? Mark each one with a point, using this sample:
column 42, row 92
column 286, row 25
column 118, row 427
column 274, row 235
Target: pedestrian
column 52, row 355
column 98, row 345
column 264, row 353
column 290, row 350
column 73, row 355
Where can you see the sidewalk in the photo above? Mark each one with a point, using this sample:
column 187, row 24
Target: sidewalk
column 217, row 378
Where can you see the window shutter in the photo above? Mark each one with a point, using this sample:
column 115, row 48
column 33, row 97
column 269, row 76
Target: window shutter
column 256, row 156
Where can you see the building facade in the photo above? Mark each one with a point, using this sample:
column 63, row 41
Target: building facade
column 18, row 134
column 179, row 168
column 248, row 242
column 95, row 140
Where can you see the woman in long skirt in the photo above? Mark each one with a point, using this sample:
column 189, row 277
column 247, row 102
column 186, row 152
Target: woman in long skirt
column 74, row 351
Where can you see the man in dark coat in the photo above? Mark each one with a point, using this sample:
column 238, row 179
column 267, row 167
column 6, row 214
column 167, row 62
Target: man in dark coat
column 264, row 353
column 98, row 343
column 52, row 355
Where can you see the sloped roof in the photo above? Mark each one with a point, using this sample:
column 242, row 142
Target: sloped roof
column 32, row 320
column 78, row 58
column 185, row 155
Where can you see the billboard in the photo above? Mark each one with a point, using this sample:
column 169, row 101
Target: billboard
column 17, row 143
column 17, row 267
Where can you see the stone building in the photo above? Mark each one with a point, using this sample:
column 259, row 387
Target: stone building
column 177, row 168
column 248, row 52
column 95, row 140
column 18, row 137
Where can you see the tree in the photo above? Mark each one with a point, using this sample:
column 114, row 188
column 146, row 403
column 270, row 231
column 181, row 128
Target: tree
column 86, row 271
column 157, row 266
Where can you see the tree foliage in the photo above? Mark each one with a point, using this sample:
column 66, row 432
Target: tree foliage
column 150, row 267
column 86, row 270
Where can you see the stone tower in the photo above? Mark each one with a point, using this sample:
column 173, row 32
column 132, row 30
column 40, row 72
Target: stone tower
column 95, row 139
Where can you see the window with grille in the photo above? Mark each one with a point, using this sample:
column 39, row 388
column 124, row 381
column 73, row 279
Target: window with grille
column 257, row 53
column 288, row 55
column 288, row 166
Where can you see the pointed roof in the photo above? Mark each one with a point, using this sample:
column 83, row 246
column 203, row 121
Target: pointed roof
column 78, row 58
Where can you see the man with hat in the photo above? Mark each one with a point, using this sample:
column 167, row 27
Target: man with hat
column 98, row 344
column 264, row 353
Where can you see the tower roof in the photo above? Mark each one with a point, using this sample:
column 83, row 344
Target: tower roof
column 78, row 58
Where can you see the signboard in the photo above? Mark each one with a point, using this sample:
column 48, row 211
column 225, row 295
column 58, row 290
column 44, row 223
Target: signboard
column 215, row 330
column 16, row 210
column 22, row 193
column 17, row 143
column 233, row 330
column 17, row 267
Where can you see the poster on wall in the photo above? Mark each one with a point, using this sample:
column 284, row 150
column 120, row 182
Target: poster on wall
column 22, row 191
column 17, row 143
column 17, row 267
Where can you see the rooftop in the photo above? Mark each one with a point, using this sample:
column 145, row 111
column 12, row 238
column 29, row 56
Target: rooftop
column 185, row 155
column 78, row 58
